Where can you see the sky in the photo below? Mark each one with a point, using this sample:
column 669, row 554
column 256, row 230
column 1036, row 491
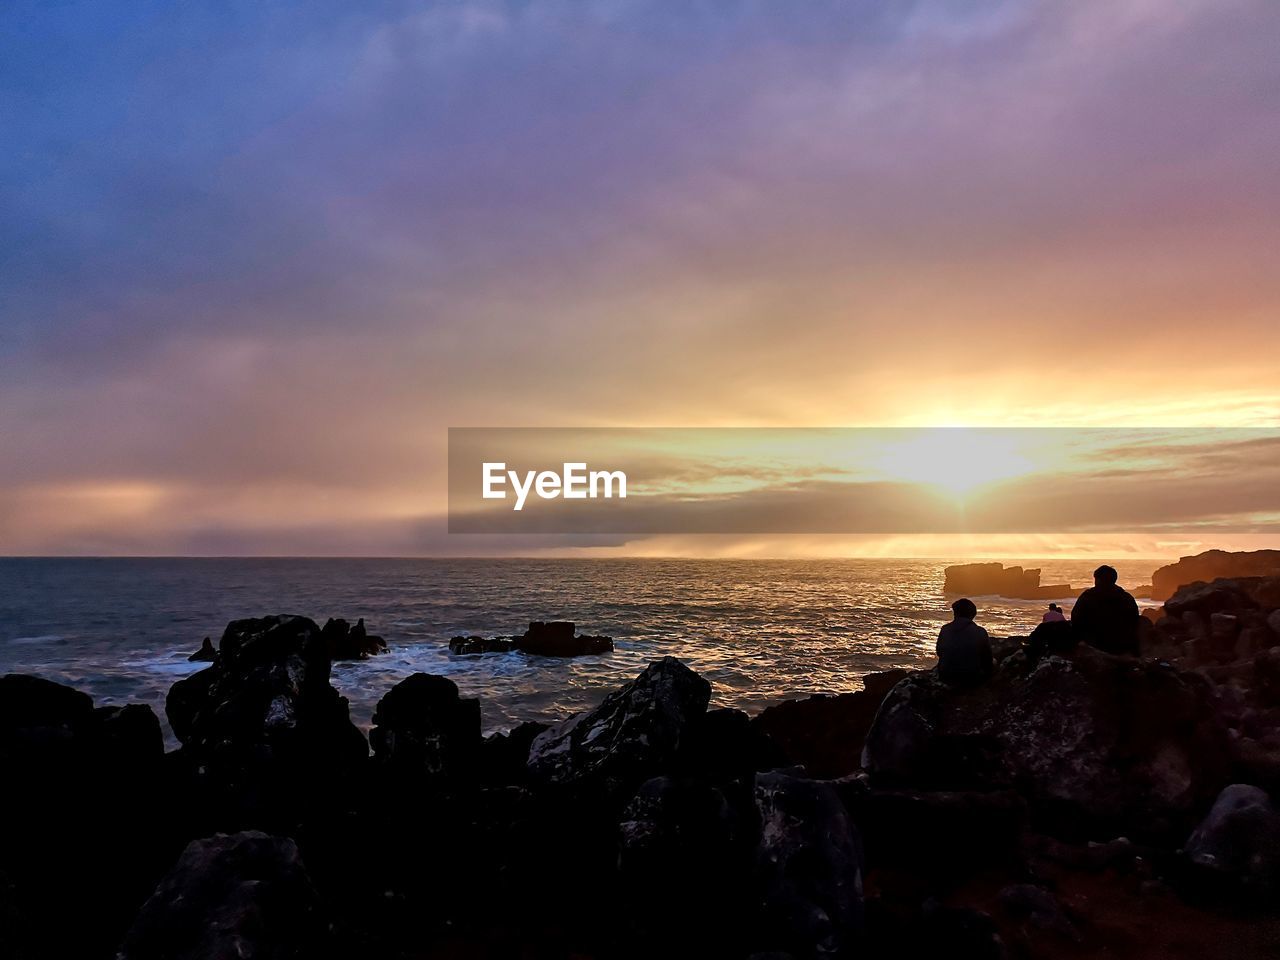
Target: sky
column 257, row 258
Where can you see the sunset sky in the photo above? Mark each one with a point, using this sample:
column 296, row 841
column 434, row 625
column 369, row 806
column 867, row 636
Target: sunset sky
column 257, row 258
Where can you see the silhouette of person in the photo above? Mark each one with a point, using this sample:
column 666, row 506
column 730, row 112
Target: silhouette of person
column 1106, row 615
column 1053, row 615
column 964, row 649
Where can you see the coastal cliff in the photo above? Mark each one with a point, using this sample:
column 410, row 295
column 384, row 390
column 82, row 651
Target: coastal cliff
column 1078, row 804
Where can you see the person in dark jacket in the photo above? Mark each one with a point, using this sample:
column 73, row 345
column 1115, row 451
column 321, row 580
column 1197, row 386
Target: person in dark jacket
column 964, row 649
column 1106, row 615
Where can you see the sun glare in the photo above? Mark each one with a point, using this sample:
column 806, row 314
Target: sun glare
column 955, row 461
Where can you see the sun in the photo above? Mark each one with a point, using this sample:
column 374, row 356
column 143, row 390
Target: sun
column 956, row 461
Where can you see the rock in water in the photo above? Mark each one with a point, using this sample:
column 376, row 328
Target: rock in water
column 422, row 727
column 981, row 579
column 241, row 895
column 345, row 642
column 1238, row 843
column 469, row 646
column 633, row 735
column 206, row 653
column 556, row 639
column 1097, row 744
column 808, row 867
column 266, row 702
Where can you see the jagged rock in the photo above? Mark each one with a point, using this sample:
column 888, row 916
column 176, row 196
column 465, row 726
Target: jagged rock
column 422, row 727
column 504, row 757
column 244, row 895
column 467, row 646
column 1212, row 565
column 809, row 867
column 1207, row 599
column 345, row 642
column 825, row 733
column 1095, row 743
column 633, row 735
column 1238, row 843
column 556, row 639
column 266, row 701
column 206, row 653
column 727, row 744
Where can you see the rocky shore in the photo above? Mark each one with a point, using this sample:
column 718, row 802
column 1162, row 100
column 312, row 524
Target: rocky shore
column 1078, row 804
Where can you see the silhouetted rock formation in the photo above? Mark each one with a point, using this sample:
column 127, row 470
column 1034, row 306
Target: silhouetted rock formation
column 555, row 638
column 262, row 723
column 423, row 728
column 981, row 579
column 1093, row 742
column 1213, row 565
column 632, row 736
column 207, row 653
column 244, row 895
column 825, row 733
column 345, row 642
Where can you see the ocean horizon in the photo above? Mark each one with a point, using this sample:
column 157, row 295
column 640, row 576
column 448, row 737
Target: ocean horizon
column 760, row 630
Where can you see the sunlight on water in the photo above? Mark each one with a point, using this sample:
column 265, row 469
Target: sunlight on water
column 759, row 630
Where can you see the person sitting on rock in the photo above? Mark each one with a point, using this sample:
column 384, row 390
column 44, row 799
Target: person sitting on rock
column 964, row 649
column 1053, row 615
column 1106, row 615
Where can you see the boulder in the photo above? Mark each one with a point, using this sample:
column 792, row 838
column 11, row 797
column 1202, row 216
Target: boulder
column 243, row 895
column 825, row 733
column 504, row 757
column 468, row 646
column 633, row 735
column 206, row 654
column 423, row 727
column 1206, row 599
column 1238, row 843
column 1098, row 745
column 1211, row 565
column 345, row 642
column 726, row 744
column 27, row 702
column 809, row 867
column 266, row 701
column 557, row 639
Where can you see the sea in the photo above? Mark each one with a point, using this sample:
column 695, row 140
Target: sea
column 760, row 631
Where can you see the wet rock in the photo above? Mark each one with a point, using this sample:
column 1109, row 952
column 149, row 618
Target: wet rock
column 633, row 735
column 1097, row 744
column 423, row 727
column 467, row 646
column 244, row 895
column 825, row 733
column 809, row 867
column 265, row 703
column 206, row 654
column 556, row 639
column 345, row 642
column 1238, row 843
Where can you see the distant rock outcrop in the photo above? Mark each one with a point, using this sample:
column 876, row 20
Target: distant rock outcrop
column 555, row 638
column 981, row 579
column 1213, row 565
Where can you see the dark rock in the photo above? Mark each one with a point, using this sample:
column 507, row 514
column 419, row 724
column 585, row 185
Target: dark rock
column 1212, row 565
column 557, row 639
column 504, row 757
column 1039, row 909
column 1207, row 599
column 245, row 895
column 1238, row 843
column 467, row 646
column 206, row 653
column 825, row 733
column 1095, row 743
column 345, row 642
column 27, row 701
column 265, row 709
column 127, row 738
column 808, row 867
column 422, row 727
column 727, row 744
column 633, row 735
